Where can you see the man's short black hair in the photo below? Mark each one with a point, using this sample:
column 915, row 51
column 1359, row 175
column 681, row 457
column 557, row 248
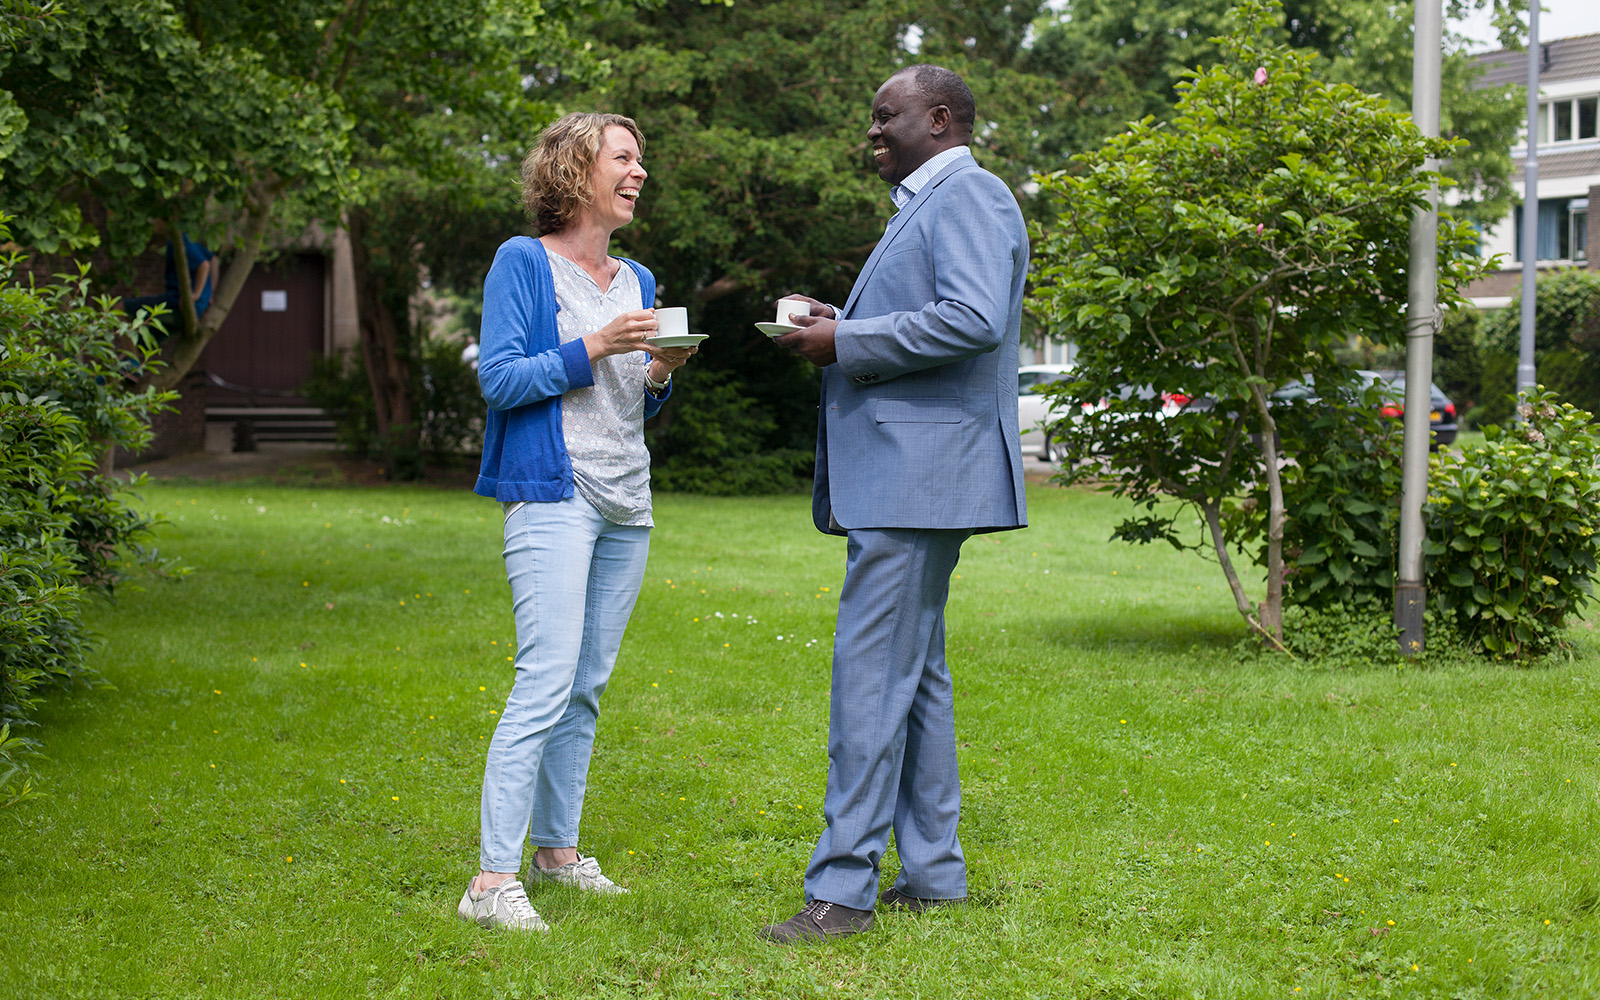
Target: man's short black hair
column 938, row 85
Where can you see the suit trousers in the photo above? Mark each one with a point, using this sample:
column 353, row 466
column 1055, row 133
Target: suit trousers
column 891, row 730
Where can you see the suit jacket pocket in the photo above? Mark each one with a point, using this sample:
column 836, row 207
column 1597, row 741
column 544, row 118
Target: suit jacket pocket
column 931, row 410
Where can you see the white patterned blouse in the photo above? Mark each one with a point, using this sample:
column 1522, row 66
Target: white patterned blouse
column 603, row 423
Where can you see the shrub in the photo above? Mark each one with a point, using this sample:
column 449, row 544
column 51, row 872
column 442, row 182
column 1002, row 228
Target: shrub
column 1512, row 540
column 68, row 394
column 1566, row 345
column 450, row 422
column 339, row 385
column 1342, row 499
column 452, row 402
column 1458, row 358
column 711, row 438
column 1227, row 253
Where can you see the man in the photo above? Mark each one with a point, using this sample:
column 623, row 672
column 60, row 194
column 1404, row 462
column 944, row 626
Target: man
column 917, row 449
column 202, row 265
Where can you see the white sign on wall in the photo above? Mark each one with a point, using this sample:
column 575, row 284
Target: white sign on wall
column 275, row 301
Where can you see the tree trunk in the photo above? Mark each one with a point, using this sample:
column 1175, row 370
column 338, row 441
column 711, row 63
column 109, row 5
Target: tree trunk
column 1270, row 622
column 1272, row 607
column 382, row 348
column 1219, row 542
column 185, row 349
column 180, row 266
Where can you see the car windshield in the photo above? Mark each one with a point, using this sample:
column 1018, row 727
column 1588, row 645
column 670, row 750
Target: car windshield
column 1396, row 379
column 1033, row 383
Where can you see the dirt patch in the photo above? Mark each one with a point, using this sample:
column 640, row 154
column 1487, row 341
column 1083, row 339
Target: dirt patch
column 295, row 465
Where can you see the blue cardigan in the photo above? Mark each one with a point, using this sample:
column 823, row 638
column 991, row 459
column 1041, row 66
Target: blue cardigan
column 523, row 368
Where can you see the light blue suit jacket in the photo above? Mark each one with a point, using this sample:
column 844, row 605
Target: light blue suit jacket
column 918, row 423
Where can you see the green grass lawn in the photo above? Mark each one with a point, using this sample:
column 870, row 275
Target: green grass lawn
column 277, row 794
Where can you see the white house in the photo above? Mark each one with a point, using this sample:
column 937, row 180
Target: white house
column 1569, row 164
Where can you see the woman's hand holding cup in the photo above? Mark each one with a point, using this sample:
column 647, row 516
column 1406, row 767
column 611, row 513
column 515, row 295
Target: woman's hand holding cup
column 624, row 334
column 673, row 321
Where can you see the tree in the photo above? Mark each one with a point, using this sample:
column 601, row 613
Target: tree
column 1139, row 50
column 220, row 116
column 131, row 114
column 1225, row 256
column 443, row 99
column 761, row 182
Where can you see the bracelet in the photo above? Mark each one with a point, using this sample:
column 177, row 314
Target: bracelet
column 656, row 387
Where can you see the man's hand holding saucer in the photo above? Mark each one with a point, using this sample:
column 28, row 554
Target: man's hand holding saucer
column 814, row 340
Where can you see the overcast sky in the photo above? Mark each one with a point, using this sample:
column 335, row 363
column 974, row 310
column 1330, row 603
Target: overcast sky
column 1557, row 19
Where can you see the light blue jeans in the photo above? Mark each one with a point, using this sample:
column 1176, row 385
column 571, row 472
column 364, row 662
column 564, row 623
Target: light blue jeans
column 574, row 579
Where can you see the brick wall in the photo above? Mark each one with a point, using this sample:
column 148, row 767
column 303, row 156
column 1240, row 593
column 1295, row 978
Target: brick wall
column 179, row 431
column 144, row 275
column 1496, row 284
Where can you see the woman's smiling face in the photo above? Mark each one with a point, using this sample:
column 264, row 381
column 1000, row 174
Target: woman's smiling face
column 616, row 178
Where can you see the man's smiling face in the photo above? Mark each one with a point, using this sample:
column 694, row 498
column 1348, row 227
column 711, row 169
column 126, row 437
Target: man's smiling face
column 901, row 135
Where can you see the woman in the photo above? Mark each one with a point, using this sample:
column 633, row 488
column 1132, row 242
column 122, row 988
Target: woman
column 570, row 376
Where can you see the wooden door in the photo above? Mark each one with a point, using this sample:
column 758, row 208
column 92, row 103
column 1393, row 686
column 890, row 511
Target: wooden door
column 266, row 345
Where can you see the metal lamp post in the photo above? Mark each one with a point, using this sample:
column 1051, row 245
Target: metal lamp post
column 1410, row 592
column 1530, row 210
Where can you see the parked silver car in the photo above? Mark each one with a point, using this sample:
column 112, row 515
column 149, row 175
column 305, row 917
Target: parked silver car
column 1033, row 409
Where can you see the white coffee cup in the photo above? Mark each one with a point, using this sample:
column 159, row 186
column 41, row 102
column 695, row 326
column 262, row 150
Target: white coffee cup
column 672, row 321
column 789, row 308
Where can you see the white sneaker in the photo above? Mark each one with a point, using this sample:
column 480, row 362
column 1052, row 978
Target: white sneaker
column 505, row 905
column 583, row 873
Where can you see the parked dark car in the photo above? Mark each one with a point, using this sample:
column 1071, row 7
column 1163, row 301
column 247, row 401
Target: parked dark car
column 1442, row 412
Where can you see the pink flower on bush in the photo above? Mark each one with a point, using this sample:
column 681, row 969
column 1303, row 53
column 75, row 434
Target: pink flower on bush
column 1261, row 76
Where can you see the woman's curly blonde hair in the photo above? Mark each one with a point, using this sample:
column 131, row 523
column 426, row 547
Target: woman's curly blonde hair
column 555, row 173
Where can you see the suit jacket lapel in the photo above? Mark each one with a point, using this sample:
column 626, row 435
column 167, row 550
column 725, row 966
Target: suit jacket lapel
column 898, row 223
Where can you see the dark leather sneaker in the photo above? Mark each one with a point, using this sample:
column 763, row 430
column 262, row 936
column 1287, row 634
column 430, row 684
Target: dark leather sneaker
column 818, row 920
column 895, row 899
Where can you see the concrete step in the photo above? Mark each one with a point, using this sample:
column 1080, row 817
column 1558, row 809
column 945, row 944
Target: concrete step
column 252, row 424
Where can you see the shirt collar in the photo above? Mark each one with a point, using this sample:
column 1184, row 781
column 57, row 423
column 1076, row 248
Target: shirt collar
column 902, row 193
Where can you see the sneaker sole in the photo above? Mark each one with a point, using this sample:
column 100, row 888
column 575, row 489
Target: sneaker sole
column 464, row 911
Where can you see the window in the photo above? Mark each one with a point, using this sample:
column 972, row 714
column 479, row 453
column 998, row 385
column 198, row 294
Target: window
column 1563, row 229
column 1578, row 209
column 1056, row 352
column 1569, row 120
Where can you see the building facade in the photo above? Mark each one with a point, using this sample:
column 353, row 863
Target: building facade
column 1568, row 144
